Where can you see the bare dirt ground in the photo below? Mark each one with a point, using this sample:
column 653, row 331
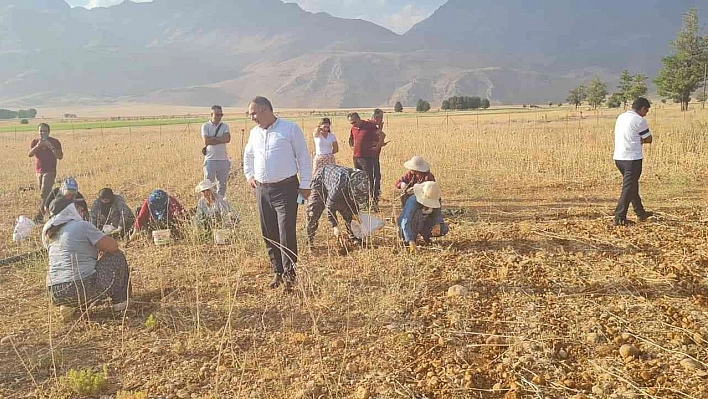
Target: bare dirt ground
column 552, row 293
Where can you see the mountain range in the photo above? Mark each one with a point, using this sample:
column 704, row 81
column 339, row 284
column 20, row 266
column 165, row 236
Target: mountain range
column 197, row 52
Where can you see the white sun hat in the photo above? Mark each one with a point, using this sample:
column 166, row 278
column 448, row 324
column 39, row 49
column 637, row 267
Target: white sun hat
column 428, row 194
column 205, row 184
column 418, row 164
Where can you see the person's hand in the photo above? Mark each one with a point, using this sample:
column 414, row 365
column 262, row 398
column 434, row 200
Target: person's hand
column 435, row 232
column 409, row 190
column 411, row 248
column 336, row 232
column 305, row 193
column 252, row 182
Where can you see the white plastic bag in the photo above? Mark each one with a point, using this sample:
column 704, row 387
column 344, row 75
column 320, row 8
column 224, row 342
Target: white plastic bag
column 369, row 224
column 23, row 229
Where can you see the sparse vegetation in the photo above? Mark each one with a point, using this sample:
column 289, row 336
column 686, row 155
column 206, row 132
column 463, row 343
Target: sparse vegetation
column 86, row 382
column 532, row 292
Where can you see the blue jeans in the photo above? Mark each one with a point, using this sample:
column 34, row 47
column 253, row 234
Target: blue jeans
column 218, row 171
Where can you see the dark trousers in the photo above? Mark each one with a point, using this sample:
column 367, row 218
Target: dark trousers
column 368, row 165
column 277, row 206
column 377, row 179
column 631, row 171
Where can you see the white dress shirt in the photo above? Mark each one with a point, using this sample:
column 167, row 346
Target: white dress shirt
column 276, row 153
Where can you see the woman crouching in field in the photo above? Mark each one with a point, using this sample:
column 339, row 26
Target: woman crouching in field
column 213, row 211
column 325, row 146
column 421, row 216
column 85, row 265
column 160, row 211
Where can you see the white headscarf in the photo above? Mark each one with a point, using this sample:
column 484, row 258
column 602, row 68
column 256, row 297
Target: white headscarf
column 66, row 215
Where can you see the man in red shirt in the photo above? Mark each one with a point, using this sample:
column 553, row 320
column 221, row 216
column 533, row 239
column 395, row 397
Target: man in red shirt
column 364, row 140
column 46, row 151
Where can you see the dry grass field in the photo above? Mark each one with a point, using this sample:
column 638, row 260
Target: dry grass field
column 554, row 291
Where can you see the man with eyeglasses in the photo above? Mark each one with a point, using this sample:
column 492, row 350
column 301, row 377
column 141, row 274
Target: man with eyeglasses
column 216, row 135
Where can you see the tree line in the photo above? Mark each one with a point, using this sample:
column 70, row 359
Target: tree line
column 23, row 113
column 683, row 73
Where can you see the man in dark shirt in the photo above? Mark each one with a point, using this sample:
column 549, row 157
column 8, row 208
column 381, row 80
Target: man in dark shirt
column 364, row 140
column 46, row 151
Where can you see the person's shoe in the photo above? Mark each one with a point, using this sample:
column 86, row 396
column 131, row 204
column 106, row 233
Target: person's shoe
column 119, row 307
column 644, row 216
column 277, row 280
column 623, row 222
column 289, row 281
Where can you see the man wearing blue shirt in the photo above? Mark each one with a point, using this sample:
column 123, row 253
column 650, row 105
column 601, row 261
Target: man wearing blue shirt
column 276, row 152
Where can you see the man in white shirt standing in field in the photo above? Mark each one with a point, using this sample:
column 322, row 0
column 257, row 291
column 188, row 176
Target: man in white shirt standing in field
column 216, row 135
column 631, row 132
column 274, row 155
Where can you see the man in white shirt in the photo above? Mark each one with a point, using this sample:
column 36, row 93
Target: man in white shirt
column 631, row 132
column 216, row 135
column 274, row 155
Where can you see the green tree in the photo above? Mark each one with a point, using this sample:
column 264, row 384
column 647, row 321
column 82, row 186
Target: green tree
column 398, row 107
column 625, row 87
column 597, row 92
column 576, row 96
column 422, row 106
column 475, row 102
column 682, row 73
column 485, row 103
column 445, row 105
column 638, row 88
column 616, row 100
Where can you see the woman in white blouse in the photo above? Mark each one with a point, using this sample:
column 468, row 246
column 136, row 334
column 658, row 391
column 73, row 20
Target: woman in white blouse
column 325, row 146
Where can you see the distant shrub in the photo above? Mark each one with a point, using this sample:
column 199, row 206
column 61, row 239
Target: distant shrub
column 422, row 106
column 24, row 122
column 398, row 107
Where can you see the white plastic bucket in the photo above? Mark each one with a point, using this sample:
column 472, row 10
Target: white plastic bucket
column 369, row 224
column 162, row 237
column 222, row 236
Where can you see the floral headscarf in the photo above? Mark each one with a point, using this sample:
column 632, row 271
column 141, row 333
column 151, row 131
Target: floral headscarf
column 158, row 202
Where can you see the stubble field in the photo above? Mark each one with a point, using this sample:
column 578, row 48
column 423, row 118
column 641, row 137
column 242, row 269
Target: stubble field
column 554, row 291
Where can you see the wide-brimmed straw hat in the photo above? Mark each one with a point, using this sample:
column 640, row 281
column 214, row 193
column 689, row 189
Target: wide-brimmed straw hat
column 204, row 185
column 418, row 164
column 428, row 194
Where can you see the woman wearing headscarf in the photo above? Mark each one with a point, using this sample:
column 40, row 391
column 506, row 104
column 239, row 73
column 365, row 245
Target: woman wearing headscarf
column 421, row 216
column 158, row 212
column 336, row 189
column 110, row 214
column 85, row 265
column 69, row 189
column 213, row 211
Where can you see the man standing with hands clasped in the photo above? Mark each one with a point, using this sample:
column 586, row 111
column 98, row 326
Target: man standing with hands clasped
column 46, row 151
column 274, row 155
column 631, row 132
column 216, row 135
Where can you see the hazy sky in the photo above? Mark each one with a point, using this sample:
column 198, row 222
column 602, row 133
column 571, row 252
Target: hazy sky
column 397, row 15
